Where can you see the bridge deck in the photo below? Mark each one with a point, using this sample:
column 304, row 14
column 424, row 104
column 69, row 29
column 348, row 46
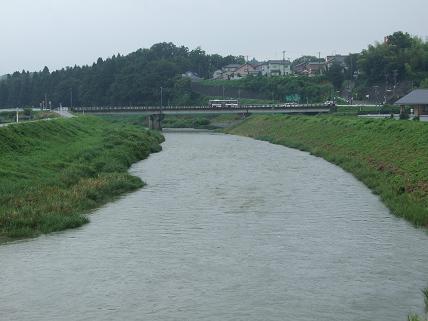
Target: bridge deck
column 183, row 110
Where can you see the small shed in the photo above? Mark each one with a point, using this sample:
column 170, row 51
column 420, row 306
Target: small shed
column 418, row 99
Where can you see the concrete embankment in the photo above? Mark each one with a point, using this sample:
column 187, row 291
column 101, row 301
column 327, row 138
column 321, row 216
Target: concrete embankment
column 389, row 156
column 53, row 172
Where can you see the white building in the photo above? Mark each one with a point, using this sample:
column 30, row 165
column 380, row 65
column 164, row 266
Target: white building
column 274, row 68
column 218, row 74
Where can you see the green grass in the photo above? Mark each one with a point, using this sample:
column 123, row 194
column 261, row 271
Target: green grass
column 173, row 121
column 414, row 317
column 362, row 110
column 53, row 172
column 389, row 156
column 425, row 292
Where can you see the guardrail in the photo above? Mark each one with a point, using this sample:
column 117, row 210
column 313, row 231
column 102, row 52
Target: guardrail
column 158, row 109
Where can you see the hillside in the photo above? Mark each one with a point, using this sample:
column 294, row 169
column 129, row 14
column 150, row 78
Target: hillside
column 120, row 80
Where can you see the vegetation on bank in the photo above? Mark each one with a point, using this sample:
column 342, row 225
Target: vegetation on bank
column 178, row 121
column 365, row 110
column 53, row 172
column 415, row 317
column 389, row 156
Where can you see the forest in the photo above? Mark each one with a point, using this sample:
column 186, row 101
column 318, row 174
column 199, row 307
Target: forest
column 120, row 80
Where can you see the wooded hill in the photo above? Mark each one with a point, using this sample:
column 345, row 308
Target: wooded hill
column 135, row 79
column 120, row 80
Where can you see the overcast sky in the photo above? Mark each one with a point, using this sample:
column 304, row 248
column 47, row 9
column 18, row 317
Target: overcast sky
column 59, row 33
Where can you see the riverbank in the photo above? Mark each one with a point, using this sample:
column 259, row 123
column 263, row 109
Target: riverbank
column 210, row 122
column 54, row 172
column 389, row 156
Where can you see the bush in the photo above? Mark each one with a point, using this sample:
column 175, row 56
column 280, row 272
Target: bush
column 404, row 116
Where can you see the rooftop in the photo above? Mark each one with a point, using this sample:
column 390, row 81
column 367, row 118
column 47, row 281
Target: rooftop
column 416, row 97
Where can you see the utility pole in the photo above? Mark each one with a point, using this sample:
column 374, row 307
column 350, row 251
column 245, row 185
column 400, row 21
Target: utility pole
column 283, row 62
column 395, row 81
column 46, row 101
column 386, row 86
column 71, row 97
column 17, row 115
column 161, row 102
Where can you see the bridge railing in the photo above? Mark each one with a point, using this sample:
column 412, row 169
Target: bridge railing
column 158, row 109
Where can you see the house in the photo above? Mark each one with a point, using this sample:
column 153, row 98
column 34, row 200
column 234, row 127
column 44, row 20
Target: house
column 269, row 68
column 418, row 99
column 228, row 71
column 191, row 75
column 273, row 68
column 300, row 68
column 218, row 74
column 231, row 68
column 235, row 71
column 244, row 71
column 315, row 68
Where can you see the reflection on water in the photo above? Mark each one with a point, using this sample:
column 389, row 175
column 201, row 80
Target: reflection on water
column 227, row 228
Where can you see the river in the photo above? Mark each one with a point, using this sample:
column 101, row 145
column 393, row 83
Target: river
column 227, row 228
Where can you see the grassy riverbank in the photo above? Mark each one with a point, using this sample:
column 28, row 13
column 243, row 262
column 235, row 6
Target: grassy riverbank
column 389, row 156
column 52, row 172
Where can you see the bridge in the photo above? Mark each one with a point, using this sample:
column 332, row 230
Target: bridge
column 156, row 113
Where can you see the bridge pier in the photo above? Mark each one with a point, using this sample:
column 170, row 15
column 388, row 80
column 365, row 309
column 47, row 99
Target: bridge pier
column 245, row 115
column 155, row 122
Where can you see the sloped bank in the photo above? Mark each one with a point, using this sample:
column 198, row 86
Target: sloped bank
column 389, row 156
column 53, row 172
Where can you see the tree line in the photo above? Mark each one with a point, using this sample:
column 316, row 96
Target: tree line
column 120, row 80
column 135, row 79
column 401, row 57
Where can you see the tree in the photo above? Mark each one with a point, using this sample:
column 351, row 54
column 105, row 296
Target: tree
column 400, row 57
column 424, row 83
column 400, row 40
column 120, row 80
column 336, row 75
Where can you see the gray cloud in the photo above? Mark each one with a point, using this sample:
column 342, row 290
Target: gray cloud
column 67, row 32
